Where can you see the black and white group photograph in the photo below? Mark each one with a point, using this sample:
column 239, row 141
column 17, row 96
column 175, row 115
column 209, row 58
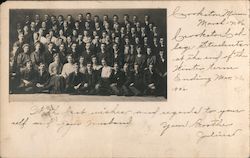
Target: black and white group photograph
column 117, row 54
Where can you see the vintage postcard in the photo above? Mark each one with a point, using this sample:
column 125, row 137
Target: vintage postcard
column 124, row 79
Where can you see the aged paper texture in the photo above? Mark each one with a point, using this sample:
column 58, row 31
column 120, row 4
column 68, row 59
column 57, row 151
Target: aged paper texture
column 206, row 113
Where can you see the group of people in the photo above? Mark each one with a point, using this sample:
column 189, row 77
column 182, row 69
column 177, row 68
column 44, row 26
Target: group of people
column 88, row 55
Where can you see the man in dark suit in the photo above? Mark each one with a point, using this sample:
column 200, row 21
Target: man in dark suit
column 27, row 79
column 49, row 53
column 42, row 78
column 37, row 56
column 136, row 81
column 116, row 80
column 75, row 82
column 162, row 71
column 116, row 56
column 126, row 78
column 90, row 80
column 151, row 81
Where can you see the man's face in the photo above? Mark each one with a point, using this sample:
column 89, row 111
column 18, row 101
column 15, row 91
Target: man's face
column 61, row 32
column 155, row 29
column 155, row 40
column 122, row 29
column 125, row 67
column 125, row 18
column 126, row 40
column 73, row 47
column 134, row 18
column 74, row 33
column 46, row 17
column 105, row 18
column 94, row 60
column 116, row 26
column 161, row 41
column 128, row 26
column 106, row 25
column 115, row 19
column 97, row 38
column 116, row 67
column 117, row 40
column 150, row 26
column 151, row 67
column 43, row 24
column 89, row 67
column 69, row 40
column 161, row 53
column 50, row 46
column 26, row 49
column 42, row 67
column 145, row 39
column 61, row 48
column 76, row 24
column 148, row 51
column 38, row 47
column 51, row 33
column 139, row 50
column 32, row 24
column 53, row 18
column 80, row 17
column 136, row 67
column 65, row 24
column 87, row 45
column 54, row 27
column 115, row 47
column 88, row 16
column 70, row 59
column 76, row 68
column 104, row 63
column 81, row 60
column 57, row 59
column 80, row 37
column 86, row 24
column 97, row 25
column 69, row 18
column 60, row 18
column 102, row 47
column 133, row 30
column 37, row 17
column 137, row 40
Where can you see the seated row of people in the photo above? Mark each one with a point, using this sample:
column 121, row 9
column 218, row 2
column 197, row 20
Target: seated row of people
column 94, row 79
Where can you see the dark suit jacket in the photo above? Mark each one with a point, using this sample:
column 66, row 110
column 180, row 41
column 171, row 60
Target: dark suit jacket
column 74, row 80
column 37, row 58
column 150, row 78
column 91, row 79
column 29, row 75
column 44, row 78
column 117, row 78
column 137, row 79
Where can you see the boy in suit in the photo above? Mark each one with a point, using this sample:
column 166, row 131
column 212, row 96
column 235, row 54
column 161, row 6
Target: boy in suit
column 75, row 81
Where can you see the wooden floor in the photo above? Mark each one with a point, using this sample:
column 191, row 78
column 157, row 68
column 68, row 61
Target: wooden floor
column 87, row 98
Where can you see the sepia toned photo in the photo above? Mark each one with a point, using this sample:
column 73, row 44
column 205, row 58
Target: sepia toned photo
column 98, row 52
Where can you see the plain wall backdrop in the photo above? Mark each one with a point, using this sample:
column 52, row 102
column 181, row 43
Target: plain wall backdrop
column 157, row 16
